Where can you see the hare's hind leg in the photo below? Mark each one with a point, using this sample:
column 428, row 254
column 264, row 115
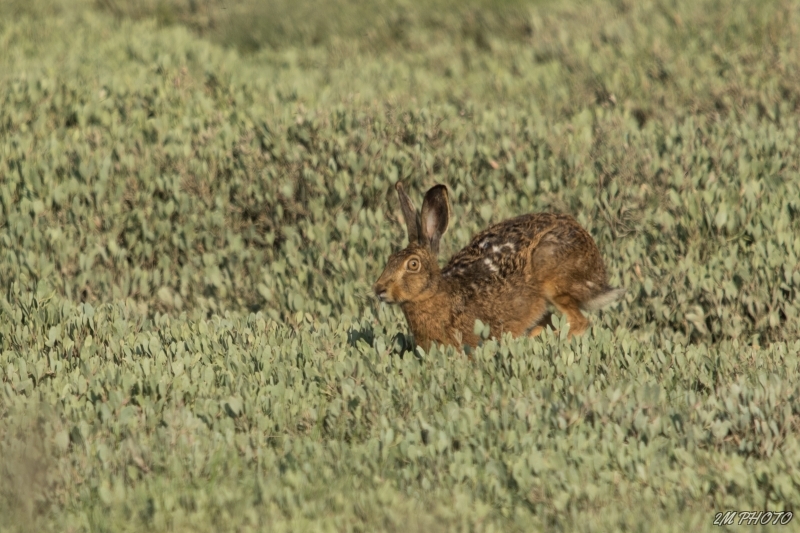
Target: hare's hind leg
column 570, row 307
column 537, row 318
column 537, row 327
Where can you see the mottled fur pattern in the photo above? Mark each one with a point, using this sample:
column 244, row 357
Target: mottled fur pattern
column 507, row 276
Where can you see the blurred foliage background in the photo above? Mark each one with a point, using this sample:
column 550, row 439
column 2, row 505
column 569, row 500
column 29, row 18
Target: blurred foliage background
column 195, row 198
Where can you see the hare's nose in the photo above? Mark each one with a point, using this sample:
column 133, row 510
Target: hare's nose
column 379, row 291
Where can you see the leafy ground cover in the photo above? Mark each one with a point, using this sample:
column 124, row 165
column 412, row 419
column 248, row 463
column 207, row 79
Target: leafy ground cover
column 189, row 231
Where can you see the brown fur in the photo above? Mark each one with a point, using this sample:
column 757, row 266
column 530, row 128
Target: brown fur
column 506, row 276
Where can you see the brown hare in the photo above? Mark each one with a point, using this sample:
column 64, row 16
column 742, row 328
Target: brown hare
column 506, row 276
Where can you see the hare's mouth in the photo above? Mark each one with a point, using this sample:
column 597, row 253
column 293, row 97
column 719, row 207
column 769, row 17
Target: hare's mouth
column 384, row 296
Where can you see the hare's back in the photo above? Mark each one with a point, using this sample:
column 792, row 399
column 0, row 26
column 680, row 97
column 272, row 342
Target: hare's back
column 504, row 250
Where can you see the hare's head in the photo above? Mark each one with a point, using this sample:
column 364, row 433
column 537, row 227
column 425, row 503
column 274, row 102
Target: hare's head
column 413, row 271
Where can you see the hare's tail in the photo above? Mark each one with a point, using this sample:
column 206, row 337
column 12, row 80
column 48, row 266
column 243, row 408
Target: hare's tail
column 609, row 296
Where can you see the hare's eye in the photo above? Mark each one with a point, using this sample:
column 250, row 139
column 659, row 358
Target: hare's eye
column 413, row 265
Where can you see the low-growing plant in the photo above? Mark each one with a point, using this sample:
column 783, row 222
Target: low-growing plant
column 188, row 235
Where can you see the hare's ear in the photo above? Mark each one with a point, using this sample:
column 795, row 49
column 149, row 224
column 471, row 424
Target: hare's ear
column 410, row 214
column 435, row 216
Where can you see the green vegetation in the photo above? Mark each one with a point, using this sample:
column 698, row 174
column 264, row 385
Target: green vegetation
column 196, row 197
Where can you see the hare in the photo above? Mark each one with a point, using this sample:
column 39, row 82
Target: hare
column 506, row 276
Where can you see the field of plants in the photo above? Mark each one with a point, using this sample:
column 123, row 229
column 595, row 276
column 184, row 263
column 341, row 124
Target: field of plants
column 196, row 197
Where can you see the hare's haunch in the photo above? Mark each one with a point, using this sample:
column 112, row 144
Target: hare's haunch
column 506, row 276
